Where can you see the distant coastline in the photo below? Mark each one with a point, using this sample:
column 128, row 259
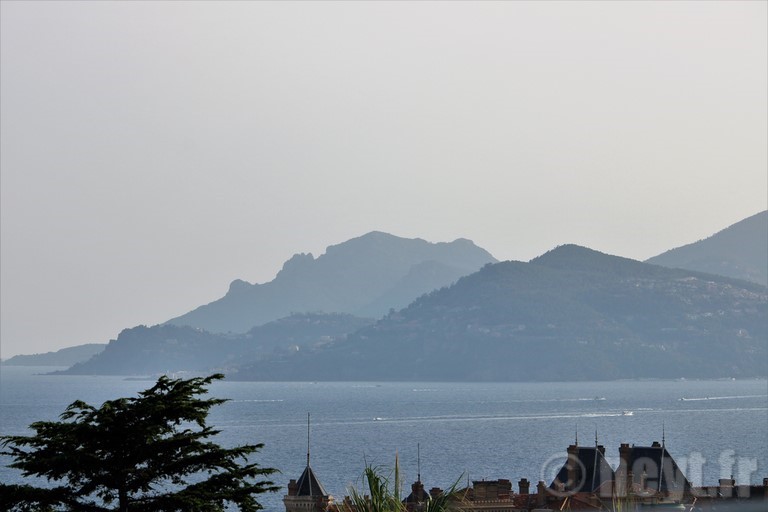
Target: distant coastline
column 64, row 357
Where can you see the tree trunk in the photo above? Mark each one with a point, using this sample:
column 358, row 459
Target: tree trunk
column 122, row 496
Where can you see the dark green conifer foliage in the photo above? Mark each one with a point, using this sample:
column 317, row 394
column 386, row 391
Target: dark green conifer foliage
column 148, row 453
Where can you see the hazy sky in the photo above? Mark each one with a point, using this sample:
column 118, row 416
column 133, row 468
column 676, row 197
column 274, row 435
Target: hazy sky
column 153, row 152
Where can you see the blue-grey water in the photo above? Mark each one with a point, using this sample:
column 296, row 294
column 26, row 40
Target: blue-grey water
column 464, row 430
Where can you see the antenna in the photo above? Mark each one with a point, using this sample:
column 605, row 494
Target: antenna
column 418, row 462
column 308, row 471
column 661, row 465
column 577, row 434
column 307, row 439
column 595, row 463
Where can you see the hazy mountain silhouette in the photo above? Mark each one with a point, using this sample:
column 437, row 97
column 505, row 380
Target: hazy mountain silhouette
column 169, row 348
column 570, row 314
column 739, row 251
column 64, row 357
column 365, row 276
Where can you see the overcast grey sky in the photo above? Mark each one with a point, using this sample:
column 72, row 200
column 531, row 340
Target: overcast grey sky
column 153, row 152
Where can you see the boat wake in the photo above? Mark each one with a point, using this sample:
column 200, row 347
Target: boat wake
column 733, row 397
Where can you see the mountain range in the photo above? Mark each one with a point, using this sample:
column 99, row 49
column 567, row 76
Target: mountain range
column 364, row 276
column 570, row 314
column 170, row 348
column 739, row 251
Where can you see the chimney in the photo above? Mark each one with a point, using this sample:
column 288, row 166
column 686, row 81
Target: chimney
column 541, row 493
column 293, row 488
column 525, row 485
column 623, row 472
column 504, row 489
column 435, row 492
column 726, row 487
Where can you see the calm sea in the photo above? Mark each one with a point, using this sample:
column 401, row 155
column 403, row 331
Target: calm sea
column 467, row 431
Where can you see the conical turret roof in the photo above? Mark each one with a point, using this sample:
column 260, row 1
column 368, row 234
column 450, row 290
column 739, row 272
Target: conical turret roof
column 309, row 485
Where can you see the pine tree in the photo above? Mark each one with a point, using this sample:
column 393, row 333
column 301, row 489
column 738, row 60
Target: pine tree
column 150, row 453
